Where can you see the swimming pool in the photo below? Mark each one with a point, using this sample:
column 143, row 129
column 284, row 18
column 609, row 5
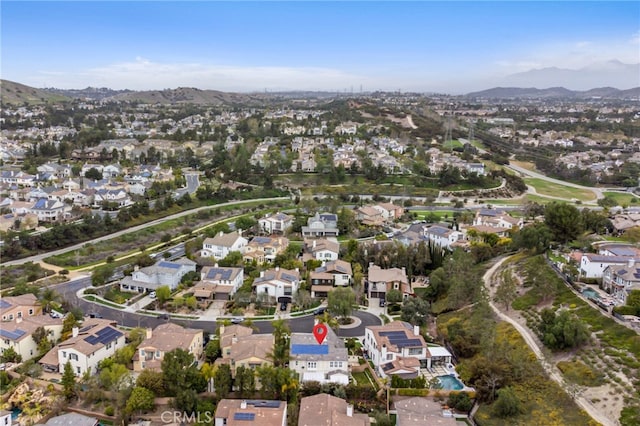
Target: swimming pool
column 450, row 382
column 590, row 294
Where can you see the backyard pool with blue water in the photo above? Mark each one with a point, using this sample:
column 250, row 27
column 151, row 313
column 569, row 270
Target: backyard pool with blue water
column 450, row 382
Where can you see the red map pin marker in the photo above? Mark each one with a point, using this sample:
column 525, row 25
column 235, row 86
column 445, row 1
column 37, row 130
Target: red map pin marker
column 320, row 332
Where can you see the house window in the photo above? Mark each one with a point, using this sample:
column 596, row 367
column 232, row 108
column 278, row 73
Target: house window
column 415, row 351
column 78, row 370
column 312, row 365
column 109, row 345
column 73, row 357
column 30, row 311
column 389, row 357
column 64, row 354
column 141, row 352
column 157, row 354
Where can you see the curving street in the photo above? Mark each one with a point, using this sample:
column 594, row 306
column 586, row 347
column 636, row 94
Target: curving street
column 131, row 319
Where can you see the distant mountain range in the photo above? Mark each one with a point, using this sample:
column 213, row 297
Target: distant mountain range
column 12, row 93
column 555, row 92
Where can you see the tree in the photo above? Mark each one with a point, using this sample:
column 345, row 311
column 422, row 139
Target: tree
column 163, row 293
column 68, row 382
column 180, row 373
column 280, row 351
column 212, row 350
column 151, row 380
column 68, row 323
column 141, row 399
column 93, row 174
column 535, row 238
column 222, row 380
column 245, row 381
column 506, row 292
column 102, row 274
column 415, row 311
column 48, row 297
column 564, row 221
column 115, row 377
column 394, row 296
column 562, row 331
column 341, row 301
column 10, row 355
column 507, row 404
column 245, row 223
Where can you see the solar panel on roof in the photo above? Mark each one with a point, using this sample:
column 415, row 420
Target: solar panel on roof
column 13, row 335
column 388, row 366
column 4, row 304
column 288, row 277
column 244, row 416
column 392, row 333
column 262, row 240
column 303, row 349
column 168, row 265
column 263, row 403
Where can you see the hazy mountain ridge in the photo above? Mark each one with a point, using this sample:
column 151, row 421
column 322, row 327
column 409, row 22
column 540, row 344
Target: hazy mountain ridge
column 96, row 93
column 188, row 95
column 554, row 92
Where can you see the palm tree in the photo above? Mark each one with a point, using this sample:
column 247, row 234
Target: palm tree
column 48, row 297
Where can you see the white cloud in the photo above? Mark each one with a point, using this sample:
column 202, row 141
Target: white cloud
column 144, row 74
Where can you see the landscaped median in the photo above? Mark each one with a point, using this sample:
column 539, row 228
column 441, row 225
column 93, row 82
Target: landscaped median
column 96, row 299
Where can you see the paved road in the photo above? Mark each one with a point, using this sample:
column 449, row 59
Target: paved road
column 131, row 319
column 551, row 370
column 42, row 256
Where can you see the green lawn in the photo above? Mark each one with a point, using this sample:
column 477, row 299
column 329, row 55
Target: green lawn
column 623, row 198
column 544, row 187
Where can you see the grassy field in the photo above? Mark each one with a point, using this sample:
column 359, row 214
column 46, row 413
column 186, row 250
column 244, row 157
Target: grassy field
column 544, row 187
column 624, row 198
column 524, row 164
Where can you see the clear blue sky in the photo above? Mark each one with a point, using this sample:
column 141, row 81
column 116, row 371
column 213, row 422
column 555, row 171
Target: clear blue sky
column 244, row 46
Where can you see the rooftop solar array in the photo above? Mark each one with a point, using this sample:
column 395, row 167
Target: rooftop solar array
column 388, row 366
column 400, row 339
column 225, row 274
column 263, row 403
column 4, row 304
column 171, row 265
column 302, row 349
column 244, row 416
column 261, row 240
column 438, row 230
column 103, row 336
column 13, row 335
column 289, row 277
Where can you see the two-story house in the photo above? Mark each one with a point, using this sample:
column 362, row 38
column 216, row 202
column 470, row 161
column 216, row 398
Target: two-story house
column 162, row 273
column 379, row 281
column 620, row 280
column 250, row 412
column 250, row 351
column 329, row 275
column 222, row 244
column 325, row 363
column 321, row 249
column 279, row 283
column 264, row 249
column 593, row 265
column 89, row 344
column 50, row 210
column 19, row 307
column 324, row 409
column 321, row 225
column 275, row 224
column 443, row 237
column 369, row 216
column 221, row 282
column 165, row 338
column 18, row 334
column 389, row 211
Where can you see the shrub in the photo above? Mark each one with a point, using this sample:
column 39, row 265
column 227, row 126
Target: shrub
column 109, row 410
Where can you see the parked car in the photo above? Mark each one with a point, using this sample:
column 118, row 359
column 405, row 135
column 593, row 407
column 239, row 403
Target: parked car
column 320, row 310
column 95, row 315
column 237, row 320
column 163, row 316
column 382, row 303
column 283, row 306
column 152, row 295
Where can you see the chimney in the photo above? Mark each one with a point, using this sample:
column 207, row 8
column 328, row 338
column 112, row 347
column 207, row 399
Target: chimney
column 221, row 233
column 350, row 410
column 314, row 244
column 416, row 330
column 239, row 232
column 18, row 320
column 631, row 263
column 277, row 268
column 75, row 331
column 135, row 267
column 261, row 274
column 216, row 265
column 234, row 339
column 243, row 404
column 149, row 333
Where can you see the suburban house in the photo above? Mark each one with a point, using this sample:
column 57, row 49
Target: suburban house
column 264, row 249
column 323, row 409
column 279, row 283
column 620, row 280
column 398, row 348
column 369, row 216
column 89, row 344
column 443, row 237
column 593, row 265
column 74, row 419
column 389, row 211
column 277, row 223
column 162, row 273
column 111, row 197
column 18, row 334
column 382, row 280
column 618, row 249
column 419, row 411
column 50, row 210
column 251, row 351
column 24, row 221
column 321, row 225
column 220, row 282
column 325, row 363
column 6, row 418
column 247, row 412
column 222, row 244
column 13, row 308
column 496, row 218
column 165, row 338
column 329, row 275
column 229, row 335
column 321, row 249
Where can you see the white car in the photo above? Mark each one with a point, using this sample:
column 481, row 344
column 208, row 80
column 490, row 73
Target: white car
column 152, row 295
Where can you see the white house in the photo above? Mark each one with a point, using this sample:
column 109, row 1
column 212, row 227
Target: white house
column 277, row 223
column 496, row 218
column 321, row 249
column 324, row 363
column 162, row 273
column 118, row 197
column 222, row 244
column 443, row 237
column 49, row 210
column 279, row 283
column 321, row 225
column 18, row 334
column 620, row 280
column 593, row 265
column 224, row 281
column 87, row 346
